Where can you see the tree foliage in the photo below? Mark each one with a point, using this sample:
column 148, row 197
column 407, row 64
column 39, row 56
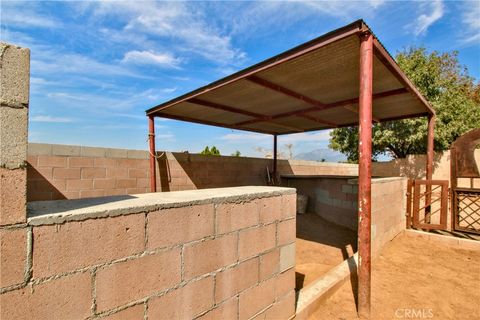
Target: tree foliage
column 236, row 154
column 213, row 151
column 453, row 94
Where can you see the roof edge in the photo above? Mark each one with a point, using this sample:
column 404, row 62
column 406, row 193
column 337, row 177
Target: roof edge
column 327, row 38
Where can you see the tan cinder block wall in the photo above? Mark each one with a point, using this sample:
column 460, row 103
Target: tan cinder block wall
column 389, row 199
column 219, row 258
column 71, row 172
column 14, row 99
column 414, row 167
column 334, row 199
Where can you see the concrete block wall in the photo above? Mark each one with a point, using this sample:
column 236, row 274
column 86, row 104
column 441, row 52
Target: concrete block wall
column 414, row 167
column 228, row 254
column 72, row 172
column 334, row 199
column 389, row 200
column 14, row 99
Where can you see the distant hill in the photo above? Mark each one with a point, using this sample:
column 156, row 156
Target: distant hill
column 318, row 154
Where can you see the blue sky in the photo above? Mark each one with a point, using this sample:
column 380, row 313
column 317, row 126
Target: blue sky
column 97, row 65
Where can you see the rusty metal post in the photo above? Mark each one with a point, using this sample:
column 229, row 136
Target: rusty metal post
column 274, row 159
column 151, row 140
column 429, row 167
column 365, row 174
column 431, row 127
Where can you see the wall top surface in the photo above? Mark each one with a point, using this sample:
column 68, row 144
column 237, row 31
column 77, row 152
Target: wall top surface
column 60, row 211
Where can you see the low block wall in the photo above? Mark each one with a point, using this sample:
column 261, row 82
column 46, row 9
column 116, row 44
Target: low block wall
column 72, row 172
column 414, row 167
column 336, row 199
column 332, row 198
column 207, row 254
column 389, row 200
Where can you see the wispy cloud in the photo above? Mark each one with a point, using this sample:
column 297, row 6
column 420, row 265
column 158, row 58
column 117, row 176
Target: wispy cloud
column 471, row 23
column 323, row 135
column 23, row 15
column 178, row 21
column 50, row 119
column 152, row 58
column 431, row 12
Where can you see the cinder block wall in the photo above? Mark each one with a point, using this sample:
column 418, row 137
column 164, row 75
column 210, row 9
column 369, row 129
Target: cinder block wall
column 14, row 99
column 334, row 199
column 71, row 172
column 414, row 167
column 219, row 258
column 389, row 200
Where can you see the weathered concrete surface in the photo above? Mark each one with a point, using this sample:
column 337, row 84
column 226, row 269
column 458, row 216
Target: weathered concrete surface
column 13, row 137
column 14, row 97
column 15, row 75
column 311, row 296
column 54, row 212
column 13, row 196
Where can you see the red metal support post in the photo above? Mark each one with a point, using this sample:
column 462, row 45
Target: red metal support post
column 151, row 140
column 275, row 158
column 431, row 127
column 365, row 174
column 429, row 167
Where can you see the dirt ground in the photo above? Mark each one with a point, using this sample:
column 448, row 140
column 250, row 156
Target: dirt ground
column 415, row 279
column 320, row 240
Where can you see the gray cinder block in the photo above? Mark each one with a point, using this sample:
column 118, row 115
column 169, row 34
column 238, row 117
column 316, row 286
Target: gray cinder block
column 14, row 75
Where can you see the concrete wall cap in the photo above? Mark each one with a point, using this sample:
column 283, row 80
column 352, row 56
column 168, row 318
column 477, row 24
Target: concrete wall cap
column 60, row 211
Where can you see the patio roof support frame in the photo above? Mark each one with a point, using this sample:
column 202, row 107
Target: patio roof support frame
column 429, row 166
column 365, row 174
column 151, row 142
column 275, row 160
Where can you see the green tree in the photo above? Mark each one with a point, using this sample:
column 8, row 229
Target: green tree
column 210, row 151
column 236, row 154
column 453, row 94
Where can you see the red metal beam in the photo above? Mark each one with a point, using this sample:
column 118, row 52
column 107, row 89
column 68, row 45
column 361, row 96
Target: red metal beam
column 315, row 119
column 290, row 93
column 151, row 140
column 210, row 123
column 226, row 108
column 391, row 65
column 327, row 106
column 365, row 175
column 291, row 54
column 285, row 91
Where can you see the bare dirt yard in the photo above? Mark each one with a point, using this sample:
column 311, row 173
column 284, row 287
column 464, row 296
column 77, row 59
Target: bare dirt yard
column 415, row 279
column 320, row 246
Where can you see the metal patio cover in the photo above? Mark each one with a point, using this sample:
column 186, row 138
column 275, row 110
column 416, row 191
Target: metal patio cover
column 311, row 87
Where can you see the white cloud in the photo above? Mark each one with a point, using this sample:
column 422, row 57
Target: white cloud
column 50, row 119
column 248, row 19
column 323, row 135
column 181, row 22
column 471, row 22
column 434, row 11
column 149, row 57
column 23, row 15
